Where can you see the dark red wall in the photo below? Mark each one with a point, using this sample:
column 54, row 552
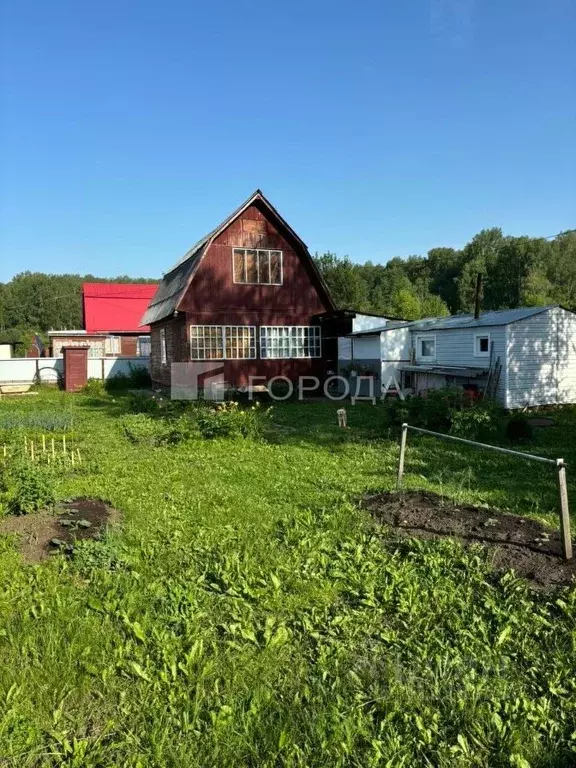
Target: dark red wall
column 214, row 299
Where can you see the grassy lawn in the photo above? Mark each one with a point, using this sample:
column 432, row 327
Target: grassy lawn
column 247, row 613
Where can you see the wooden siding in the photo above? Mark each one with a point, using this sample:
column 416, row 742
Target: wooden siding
column 161, row 373
column 213, row 298
column 213, row 293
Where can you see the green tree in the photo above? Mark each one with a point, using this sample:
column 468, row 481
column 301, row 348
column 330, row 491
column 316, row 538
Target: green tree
column 344, row 279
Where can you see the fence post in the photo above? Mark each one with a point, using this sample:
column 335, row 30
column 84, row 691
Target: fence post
column 564, row 510
column 402, row 455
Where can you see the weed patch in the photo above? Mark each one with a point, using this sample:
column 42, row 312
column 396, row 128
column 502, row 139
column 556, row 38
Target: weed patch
column 248, row 613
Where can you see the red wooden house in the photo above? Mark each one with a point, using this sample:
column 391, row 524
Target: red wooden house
column 248, row 294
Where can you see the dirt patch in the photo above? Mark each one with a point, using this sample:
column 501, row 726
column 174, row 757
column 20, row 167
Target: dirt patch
column 43, row 533
column 533, row 551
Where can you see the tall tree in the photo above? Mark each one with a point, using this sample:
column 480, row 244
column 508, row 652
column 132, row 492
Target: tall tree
column 344, row 281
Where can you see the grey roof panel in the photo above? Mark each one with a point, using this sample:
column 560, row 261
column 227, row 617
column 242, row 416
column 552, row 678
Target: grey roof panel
column 486, row 319
column 165, row 300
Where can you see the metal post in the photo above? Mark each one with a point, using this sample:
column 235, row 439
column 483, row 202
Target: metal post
column 402, row 455
column 564, row 511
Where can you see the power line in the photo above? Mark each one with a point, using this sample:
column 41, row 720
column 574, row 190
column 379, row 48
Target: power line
column 564, row 232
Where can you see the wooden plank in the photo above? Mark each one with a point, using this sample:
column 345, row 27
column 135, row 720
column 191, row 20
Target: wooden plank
column 565, row 534
column 402, row 455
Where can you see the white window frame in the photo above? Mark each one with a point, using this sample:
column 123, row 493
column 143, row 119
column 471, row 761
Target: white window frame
column 143, row 340
column 112, row 345
column 163, row 348
column 294, row 336
column 477, row 337
column 227, row 333
column 258, row 251
column 420, row 337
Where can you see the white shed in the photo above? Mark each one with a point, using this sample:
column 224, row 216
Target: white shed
column 523, row 357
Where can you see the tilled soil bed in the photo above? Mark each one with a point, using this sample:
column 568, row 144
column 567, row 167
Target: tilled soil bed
column 41, row 534
column 520, row 543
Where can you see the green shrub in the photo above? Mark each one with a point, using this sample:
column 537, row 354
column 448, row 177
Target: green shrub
column 94, row 387
column 138, row 378
column 26, row 487
column 481, row 421
column 448, row 410
column 141, row 428
column 140, row 402
column 230, row 420
column 433, row 412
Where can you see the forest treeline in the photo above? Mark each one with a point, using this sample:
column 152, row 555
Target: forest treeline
column 34, row 302
column 517, row 271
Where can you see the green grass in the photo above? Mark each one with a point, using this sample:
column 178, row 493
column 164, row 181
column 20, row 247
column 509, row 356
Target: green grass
column 254, row 616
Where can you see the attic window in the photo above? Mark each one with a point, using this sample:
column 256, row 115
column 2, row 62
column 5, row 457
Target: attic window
column 257, row 267
column 482, row 345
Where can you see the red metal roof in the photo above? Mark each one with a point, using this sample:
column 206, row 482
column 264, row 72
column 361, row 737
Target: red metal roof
column 116, row 307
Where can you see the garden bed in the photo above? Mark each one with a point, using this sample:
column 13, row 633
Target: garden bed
column 519, row 543
column 71, row 521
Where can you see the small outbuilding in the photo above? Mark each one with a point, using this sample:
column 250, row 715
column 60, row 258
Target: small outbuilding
column 523, row 357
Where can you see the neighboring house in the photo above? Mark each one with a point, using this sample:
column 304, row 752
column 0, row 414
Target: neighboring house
column 337, row 325
column 248, row 294
column 112, row 313
column 526, row 356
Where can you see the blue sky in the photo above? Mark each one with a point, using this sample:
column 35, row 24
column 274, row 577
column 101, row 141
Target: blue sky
column 380, row 128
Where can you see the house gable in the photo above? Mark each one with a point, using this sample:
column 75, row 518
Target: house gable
column 213, row 288
column 202, row 281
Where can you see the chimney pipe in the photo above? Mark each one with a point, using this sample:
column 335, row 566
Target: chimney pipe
column 478, row 296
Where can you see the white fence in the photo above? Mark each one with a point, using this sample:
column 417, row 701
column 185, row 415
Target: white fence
column 50, row 370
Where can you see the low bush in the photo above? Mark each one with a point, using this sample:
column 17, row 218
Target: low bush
column 138, row 378
column 230, row 420
column 94, row 388
column 141, row 428
column 481, row 421
column 449, row 410
column 25, row 486
column 141, row 402
column 167, row 423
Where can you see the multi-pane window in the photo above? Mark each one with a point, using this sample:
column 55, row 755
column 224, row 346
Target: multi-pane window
column 239, row 342
column 222, row 342
column 253, row 265
column 283, row 341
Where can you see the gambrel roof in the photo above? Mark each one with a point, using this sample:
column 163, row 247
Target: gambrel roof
column 175, row 282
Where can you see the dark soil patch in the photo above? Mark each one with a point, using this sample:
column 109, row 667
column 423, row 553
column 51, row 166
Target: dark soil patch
column 69, row 522
column 533, row 551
